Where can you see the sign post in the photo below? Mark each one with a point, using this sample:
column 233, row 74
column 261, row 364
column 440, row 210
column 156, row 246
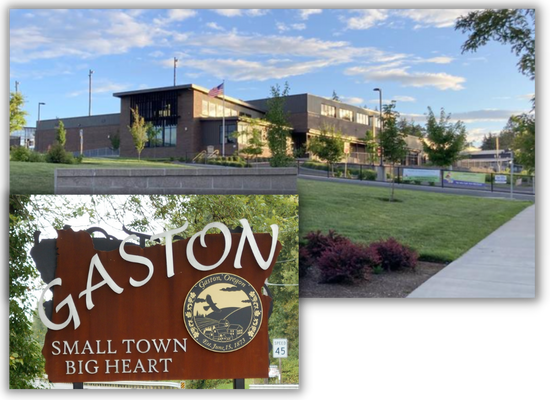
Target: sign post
column 280, row 351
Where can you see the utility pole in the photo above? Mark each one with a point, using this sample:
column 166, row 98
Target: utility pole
column 90, row 93
column 16, row 86
column 175, row 64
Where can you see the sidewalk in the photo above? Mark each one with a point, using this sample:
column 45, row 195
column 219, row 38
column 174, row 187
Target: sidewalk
column 500, row 266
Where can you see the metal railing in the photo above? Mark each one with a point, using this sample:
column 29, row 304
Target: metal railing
column 423, row 176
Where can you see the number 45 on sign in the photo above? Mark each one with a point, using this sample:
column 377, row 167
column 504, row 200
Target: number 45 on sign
column 280, row 348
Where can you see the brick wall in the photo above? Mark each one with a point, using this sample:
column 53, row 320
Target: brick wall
column 96, row 137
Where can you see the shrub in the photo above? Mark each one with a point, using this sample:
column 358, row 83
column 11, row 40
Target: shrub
column 346, row 262
column 394, row 256
column 58, row 155
column 368, row 175
column 20, row 153
column 317, row 242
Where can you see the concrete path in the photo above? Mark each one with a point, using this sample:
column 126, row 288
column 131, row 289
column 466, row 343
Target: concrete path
column 500, row 266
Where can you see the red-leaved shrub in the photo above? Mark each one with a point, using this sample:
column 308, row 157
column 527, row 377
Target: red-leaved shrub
column 346, row 262
column 394, row 256
column 317, row 243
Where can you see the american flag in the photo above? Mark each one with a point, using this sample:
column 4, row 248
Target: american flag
column 216, row 91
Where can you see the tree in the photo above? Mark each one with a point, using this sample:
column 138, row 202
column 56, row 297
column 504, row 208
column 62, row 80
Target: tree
column 371, row 145
column 61, row 134
column 328, row 146
column 138, row 130
column 524, row 141
column 17, row 114
column 253, row 137
column 515, row 27
column 392, row 140
column 26, row 363
column 410, row 128
column 444, row 141
column 278, row 131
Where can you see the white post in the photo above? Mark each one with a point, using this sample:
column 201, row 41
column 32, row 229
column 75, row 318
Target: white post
column 223, row 120
column 512, row 176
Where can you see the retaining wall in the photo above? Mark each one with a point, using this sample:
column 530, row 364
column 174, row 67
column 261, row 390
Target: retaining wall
column 176, row 181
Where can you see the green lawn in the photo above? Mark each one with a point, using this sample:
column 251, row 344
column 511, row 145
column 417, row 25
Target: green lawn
column 440, row 227
column 38, row 178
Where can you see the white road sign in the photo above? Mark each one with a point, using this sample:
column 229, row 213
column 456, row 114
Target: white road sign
column 280, row 348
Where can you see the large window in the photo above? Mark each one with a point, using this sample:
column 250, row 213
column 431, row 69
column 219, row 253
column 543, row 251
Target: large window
column 328, row 111
column 159, row 109
column 211, row 109
column 229, row 129
column 346, row 114
column 362, row 119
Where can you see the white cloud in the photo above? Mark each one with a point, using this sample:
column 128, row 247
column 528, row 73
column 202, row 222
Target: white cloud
column 174, row 15
column 237, row 12
column 282, row 27
column 365, row 19
column 352, row 100
column 438, row 60
column 244, row 70
column 82, row 35
column 100, row 87
column 489, row 115
column 404, row 99
column 229, row 12
column 305, row 13
column 369, row 18
column 441, row 80
column 438, row 18
column 215, row 26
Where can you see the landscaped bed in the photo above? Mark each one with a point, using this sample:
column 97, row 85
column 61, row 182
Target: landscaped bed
column 421, row 232
column 396, row 284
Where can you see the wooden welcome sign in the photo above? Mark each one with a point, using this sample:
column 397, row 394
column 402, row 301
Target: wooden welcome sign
column 189, row 309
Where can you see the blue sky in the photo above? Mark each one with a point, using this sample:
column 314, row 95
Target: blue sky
column 413, row 55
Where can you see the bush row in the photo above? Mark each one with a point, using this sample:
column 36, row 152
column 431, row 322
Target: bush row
column 56, row 154
column 339, row 171
column 341, row 260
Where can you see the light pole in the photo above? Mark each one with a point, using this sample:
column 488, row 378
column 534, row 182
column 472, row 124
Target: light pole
column 175, row 63
column 90, row 93
column 511, row 174
column 381, row 123
column 38, row 122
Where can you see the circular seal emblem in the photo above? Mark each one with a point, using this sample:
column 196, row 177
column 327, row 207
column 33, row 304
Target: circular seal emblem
column 222, row 312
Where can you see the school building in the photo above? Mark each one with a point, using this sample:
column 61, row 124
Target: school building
column 188, row 121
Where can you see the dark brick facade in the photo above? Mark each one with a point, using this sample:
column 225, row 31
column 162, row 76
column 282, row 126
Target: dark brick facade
column 96, row 132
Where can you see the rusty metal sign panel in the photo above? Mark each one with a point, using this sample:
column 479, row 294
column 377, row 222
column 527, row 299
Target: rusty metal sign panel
column 188, row 309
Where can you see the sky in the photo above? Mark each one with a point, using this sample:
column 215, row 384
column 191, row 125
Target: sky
column 413, row 55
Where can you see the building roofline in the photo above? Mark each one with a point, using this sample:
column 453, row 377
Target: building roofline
column 186, row 87
column 331, row 102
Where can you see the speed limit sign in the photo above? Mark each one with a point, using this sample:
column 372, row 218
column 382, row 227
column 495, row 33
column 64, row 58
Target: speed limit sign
column 280, row 348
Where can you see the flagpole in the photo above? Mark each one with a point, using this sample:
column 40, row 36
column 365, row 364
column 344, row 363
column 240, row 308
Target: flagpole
column 223, row 119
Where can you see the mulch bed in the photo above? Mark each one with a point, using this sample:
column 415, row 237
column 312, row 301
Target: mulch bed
column 396, row 284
